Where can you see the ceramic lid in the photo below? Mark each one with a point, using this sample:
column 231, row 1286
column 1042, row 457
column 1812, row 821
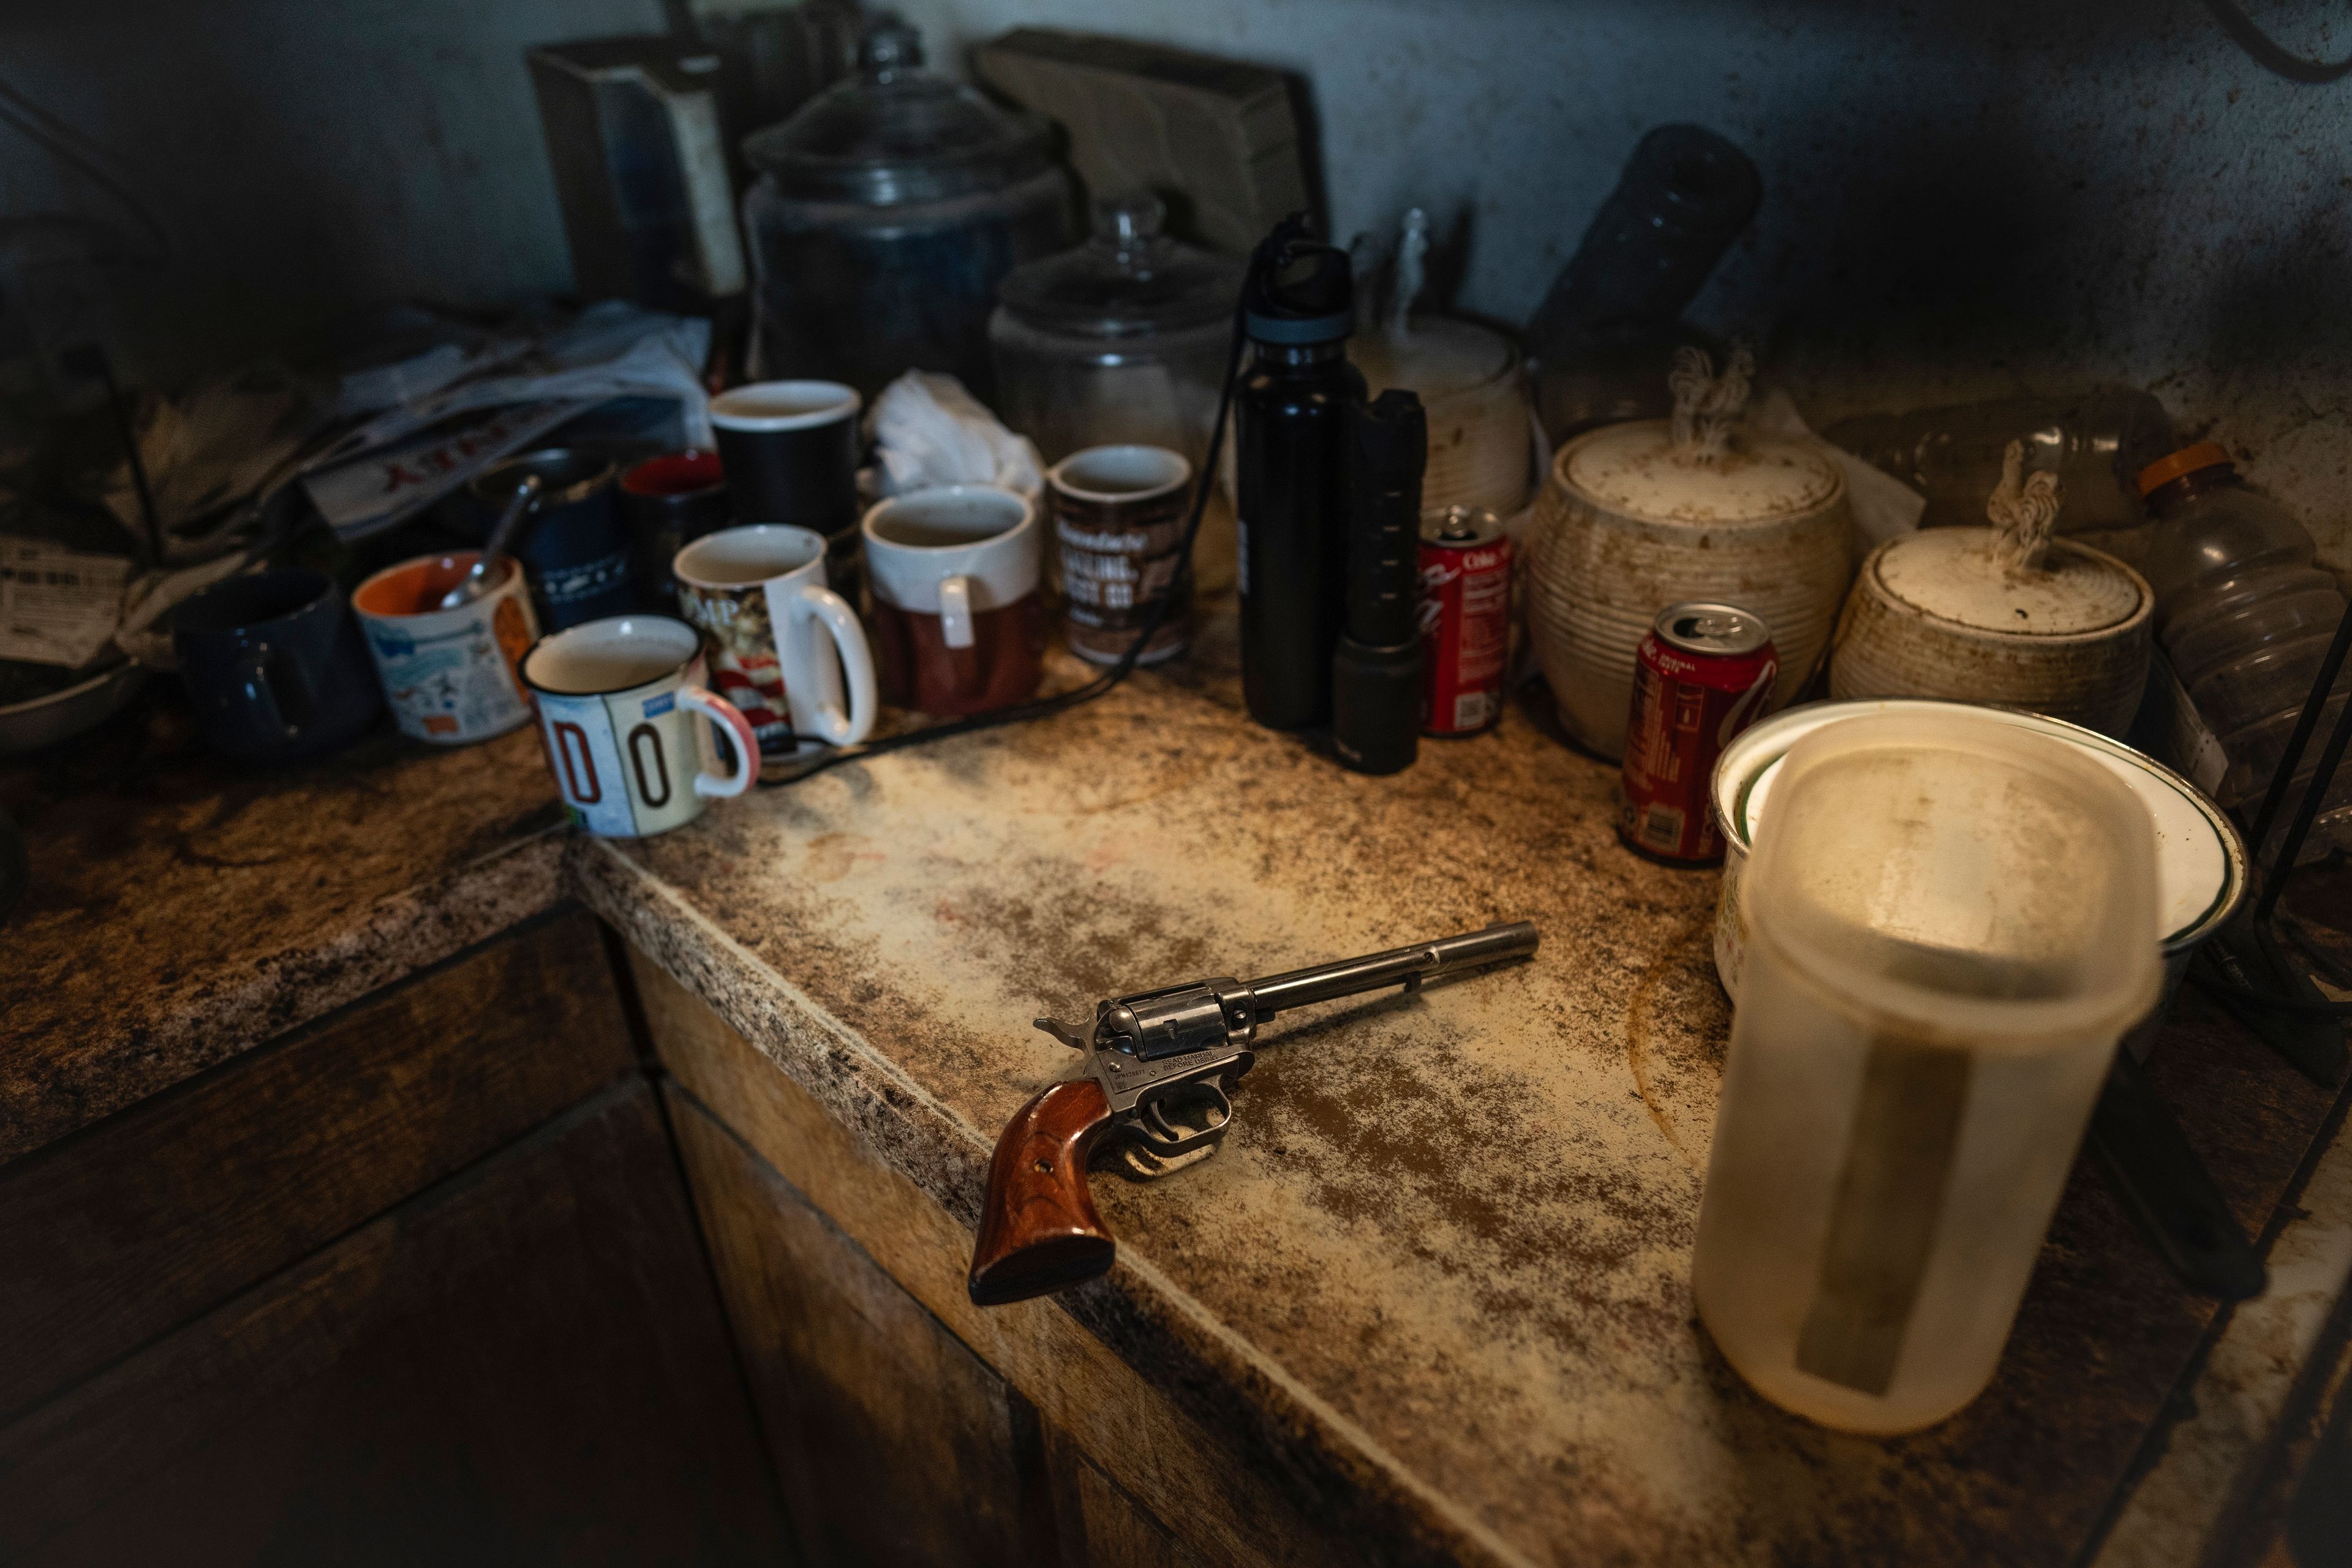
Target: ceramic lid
column 895, row 132
column 1128, row 281
column 1633, row 470
column 1950, row 573
column 1437, row 357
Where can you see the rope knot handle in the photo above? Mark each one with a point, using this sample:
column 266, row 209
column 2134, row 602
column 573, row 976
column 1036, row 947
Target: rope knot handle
column 1707, row 405
column 2023, row 509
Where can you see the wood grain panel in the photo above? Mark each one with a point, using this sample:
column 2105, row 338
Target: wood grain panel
column 1158, row 1453
column 524, row 1365
column 894, row 1444
column 142, row 1222
column 1099, row 1525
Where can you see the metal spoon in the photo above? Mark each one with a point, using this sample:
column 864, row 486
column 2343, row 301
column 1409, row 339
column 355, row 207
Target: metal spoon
column 477, row 583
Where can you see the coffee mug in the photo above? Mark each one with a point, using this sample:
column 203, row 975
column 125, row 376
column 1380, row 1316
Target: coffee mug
column 774, row 630
column 790, row 449
column 620, row 709
column 275, row 667
column 450, row 675
column 670, row 502
column 1119, row 528
column 959, row 626
column 574, row 552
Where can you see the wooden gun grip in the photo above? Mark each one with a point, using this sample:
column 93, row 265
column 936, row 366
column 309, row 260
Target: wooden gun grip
column 1038, row 1228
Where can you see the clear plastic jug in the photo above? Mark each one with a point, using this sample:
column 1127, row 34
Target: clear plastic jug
column 1953, row 921
column 2246, row 617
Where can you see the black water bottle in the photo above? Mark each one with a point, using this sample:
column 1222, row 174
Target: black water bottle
column 1292, row 450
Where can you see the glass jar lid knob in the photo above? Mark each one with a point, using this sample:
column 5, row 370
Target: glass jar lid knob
column 891, row 47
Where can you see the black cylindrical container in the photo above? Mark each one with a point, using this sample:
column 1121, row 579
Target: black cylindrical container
column 1290, row 421
column 1684, row 197
column 1376, row 671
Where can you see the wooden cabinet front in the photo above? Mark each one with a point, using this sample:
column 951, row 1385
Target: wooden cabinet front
column 523, row 1364
column 417, row 1283
column 907, row 1425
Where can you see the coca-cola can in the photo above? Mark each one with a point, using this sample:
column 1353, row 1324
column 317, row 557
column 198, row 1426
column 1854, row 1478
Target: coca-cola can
column 1700, row 677
column 1465, row 619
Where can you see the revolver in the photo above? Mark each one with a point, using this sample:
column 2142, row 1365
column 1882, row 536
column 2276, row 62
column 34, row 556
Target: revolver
column 1160, row 1067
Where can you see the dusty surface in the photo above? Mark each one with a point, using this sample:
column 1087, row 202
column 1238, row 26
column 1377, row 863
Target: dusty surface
column 182, row 910
column 1435, row 1285
column 1439, row 1273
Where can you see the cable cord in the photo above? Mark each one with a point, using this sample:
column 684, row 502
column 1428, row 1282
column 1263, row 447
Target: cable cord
column 1179, row 590
column 2268, row 53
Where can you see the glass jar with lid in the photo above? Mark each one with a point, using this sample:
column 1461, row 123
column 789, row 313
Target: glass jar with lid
column 1119, row 341
column 884, row 214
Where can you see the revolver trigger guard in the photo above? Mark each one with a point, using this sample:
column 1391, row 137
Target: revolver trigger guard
column 1063, row 1033
column 1207, row 1114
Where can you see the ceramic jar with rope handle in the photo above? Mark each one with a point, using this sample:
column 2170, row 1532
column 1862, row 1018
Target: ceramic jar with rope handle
column 2005, row 615
column 1639, row 516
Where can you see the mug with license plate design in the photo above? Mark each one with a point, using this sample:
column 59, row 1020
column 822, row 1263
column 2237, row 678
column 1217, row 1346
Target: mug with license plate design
column 627, row 723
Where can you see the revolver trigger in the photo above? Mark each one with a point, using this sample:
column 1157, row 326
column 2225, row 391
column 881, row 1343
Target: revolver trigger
column 1063, row 1033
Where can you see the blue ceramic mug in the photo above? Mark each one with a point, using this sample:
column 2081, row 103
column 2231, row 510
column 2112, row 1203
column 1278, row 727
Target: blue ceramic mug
column 275, row 667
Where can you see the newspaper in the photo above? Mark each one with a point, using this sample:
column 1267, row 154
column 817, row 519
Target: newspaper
column 404, row 459
column 58, row 606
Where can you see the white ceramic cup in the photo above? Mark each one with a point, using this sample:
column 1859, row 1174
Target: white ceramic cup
column 952, row 551
column 784, row 648
column 958, row 622
column 617, row 704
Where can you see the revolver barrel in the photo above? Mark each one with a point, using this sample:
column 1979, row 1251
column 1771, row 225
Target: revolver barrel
column 1406, row 966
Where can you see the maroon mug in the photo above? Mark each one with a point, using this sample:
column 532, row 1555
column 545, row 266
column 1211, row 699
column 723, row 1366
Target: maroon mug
column 958, row 618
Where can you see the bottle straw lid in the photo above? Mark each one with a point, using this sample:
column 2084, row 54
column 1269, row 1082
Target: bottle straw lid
column 2188, row 461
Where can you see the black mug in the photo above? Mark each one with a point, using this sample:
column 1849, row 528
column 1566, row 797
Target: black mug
column 275, row 667
column 791, row 452
column 574, row 550
column 670, row 501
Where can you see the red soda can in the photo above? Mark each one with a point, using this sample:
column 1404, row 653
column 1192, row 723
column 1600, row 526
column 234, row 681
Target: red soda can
column 1700, row 677
column 1465, row 619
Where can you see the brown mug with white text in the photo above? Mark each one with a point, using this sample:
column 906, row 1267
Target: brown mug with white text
column 958, row 617
column 1119, row 516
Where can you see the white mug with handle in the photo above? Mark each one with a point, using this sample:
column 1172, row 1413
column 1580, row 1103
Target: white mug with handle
column 621, row 707
column 784, row 647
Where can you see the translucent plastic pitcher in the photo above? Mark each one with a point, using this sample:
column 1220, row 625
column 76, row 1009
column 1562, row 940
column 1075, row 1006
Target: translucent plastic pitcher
column 1953, row 922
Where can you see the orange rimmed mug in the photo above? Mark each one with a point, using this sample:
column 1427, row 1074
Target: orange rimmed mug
column 452, row 676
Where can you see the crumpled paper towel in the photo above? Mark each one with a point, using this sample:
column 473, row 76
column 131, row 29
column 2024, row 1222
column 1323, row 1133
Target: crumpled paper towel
column 928, row 431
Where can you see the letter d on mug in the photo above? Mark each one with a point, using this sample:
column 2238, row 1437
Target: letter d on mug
column 622, row 711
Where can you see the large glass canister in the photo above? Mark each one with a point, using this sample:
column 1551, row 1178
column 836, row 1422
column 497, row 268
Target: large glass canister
column 885, row 214
column 1121, row 341
column 1952, row 921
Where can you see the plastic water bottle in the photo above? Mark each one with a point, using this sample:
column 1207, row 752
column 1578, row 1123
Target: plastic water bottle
column 2245, row 618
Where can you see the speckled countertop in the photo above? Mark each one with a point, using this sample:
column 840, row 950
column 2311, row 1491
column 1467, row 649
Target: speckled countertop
column 1434, row 1285
column 182, row 910
column 1441, row 1267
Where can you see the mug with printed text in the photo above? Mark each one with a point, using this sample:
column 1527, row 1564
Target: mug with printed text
column 627, row 723
column 784, row 648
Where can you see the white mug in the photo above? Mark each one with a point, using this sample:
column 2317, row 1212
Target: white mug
column 784, row 648
column 617, row 703
column 959, row 623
